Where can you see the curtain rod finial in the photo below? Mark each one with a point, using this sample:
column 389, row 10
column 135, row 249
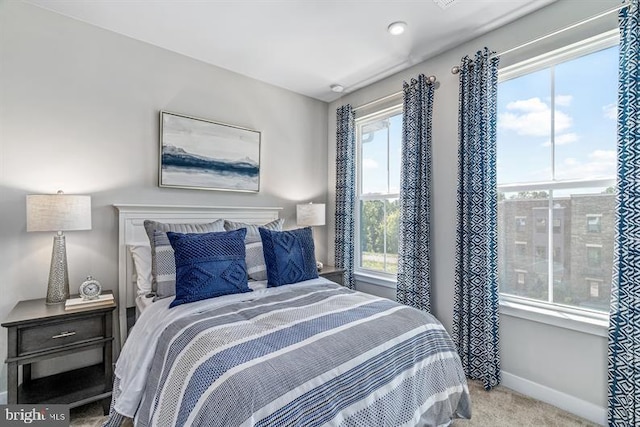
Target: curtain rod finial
column 455, row 69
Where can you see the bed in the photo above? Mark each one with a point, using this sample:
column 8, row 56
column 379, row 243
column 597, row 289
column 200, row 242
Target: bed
column 301, row 354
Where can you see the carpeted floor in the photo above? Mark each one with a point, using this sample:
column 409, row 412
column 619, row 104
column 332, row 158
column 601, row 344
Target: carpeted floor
column 502, row 407
column 499, row 407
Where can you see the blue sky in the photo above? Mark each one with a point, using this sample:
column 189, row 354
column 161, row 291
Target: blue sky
column 374, row 158
column 585, row 127
column 585, row 121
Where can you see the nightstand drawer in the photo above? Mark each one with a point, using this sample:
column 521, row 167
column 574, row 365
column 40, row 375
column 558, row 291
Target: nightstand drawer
column 54, row 335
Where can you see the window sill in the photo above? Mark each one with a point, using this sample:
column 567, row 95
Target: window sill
column 374, row 279
column 588, row 323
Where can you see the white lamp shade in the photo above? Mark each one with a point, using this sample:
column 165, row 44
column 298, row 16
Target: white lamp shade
column 58, row 212
column 311, row 214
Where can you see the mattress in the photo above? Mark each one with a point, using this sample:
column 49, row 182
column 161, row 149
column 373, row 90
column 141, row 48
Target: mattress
column 307, row 354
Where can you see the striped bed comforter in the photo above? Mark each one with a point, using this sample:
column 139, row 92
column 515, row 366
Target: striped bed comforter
column 307, row 354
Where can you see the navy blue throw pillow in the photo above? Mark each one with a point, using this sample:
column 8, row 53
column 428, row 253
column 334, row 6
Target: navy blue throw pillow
column 209, row 265
column 289, row 256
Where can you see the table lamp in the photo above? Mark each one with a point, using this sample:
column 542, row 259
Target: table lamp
column 310, row 215
column 58, row 212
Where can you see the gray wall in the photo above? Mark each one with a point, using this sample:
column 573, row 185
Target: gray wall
column 567, row 361
column 79, row 112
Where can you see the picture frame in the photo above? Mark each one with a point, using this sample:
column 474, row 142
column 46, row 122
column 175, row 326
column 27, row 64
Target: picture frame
column 202, row 154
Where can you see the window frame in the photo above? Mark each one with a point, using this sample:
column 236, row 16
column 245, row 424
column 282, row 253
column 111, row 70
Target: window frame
column 548, row 312
column 598, row 223
column 520, row 248
column 372, row 276
column 595, row 260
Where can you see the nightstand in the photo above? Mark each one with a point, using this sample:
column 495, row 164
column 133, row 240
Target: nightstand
column 37, row 332
column 335, row 274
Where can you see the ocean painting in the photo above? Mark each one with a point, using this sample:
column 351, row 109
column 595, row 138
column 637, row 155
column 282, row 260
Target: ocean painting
column 201, row 154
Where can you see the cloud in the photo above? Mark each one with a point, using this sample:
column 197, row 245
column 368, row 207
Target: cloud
column 528, row 105
column 599, row 164
column 564, row 100
column 565, row 138
column 610, row 111
column 369, row 164
column 532, row 117
column 603, row 156
column 571, row 161
column 524, row 175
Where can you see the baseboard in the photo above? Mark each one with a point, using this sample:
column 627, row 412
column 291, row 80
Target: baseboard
column 579, row 407
column 3, row 398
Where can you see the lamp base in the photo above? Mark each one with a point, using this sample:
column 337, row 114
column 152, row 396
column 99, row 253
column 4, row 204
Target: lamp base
column 58, row 286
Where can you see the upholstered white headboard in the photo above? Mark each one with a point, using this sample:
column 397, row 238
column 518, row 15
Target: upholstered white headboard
column 131, row 231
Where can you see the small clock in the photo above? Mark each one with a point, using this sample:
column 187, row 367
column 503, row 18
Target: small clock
column 90, row 289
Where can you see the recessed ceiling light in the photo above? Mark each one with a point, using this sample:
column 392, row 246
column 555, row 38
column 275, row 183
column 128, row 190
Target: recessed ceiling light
column 397, row 28
column 337, row 88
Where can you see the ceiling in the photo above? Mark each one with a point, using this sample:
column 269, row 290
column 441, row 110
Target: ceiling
column 301, row 45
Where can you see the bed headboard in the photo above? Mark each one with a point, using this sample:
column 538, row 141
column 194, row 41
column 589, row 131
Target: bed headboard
column 131, row 231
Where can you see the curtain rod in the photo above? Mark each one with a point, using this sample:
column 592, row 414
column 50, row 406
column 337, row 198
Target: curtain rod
column 456, row 69
column 430, row 79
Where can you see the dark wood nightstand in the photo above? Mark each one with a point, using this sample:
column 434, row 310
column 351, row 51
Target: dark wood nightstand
column 37, row 331
column 332, row 273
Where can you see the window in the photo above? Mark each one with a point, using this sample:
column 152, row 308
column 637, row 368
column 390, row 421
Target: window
column 521, row 224
column 557, row 165
column 379, row 139
column 521, row 277
column 557, row 255
column 541, row 253
column 594, row 287
column 594, row 256
column 593, row 223
column 521, row 249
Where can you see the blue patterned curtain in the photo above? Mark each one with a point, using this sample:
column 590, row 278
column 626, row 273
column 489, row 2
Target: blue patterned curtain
column 475, row 314
column 414, row 279
column 345, row 191
column 624, row 323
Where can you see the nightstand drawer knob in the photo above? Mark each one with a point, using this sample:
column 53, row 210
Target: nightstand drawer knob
column 64, row 335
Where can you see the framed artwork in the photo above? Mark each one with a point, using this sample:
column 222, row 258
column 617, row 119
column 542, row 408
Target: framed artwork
column 205, row 155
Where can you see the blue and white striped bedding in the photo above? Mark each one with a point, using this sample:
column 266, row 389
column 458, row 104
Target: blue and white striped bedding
column 312, row 353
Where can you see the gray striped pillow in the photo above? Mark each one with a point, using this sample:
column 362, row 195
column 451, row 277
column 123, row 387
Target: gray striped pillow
column 163, row 267
column 253, row 235
column 256, row 266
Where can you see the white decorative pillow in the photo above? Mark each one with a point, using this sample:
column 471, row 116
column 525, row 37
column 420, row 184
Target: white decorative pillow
column 141, row 255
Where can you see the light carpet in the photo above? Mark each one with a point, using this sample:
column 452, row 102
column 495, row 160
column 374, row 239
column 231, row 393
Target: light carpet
column 500, row 407
column 503, row 407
